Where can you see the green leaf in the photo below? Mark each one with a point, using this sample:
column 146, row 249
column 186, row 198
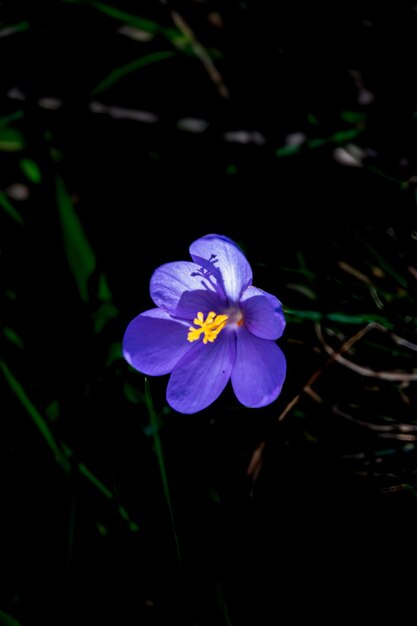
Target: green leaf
column 131, row 67
column 353, row 117
column 104, row 292
column 317, row 143
column 31, row 170
column 287, row 151
column 53, row 410
column 133, row 394
column 80, row 255
column 13, row 337
column 114, row 353
column 106, row 310
column 103, row 314
column 345, row 135
column 11, row 140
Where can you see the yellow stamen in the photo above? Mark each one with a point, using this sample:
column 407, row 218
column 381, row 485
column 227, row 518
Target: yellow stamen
column 210, row 327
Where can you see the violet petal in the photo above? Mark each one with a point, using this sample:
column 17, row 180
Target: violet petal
column 171, row 280
column 202, row 374
column 221, row 254
column 154, row 342
column 262, row 314
column 259, row 370
column 191, row 302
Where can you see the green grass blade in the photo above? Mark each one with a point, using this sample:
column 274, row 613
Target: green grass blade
column 8, row 620
column 133, row 66
column 383, row 264
column 20, row 27
column 342, row 318
column 31, row 170
column 222, row 604
column 175, row 36
column 84, row 471
column 101, row 488
column 13, row 117
column 106, row 309
column 155, row 425
column 285, row 151
column 62, row 453
column 340, row 137
column 345, row 135
column 80, row 255
column 71, row 526
column 37, row 418
column 13, row 337
column 353, row 117
column 139, row 22
column 10, row 210
column 11, row 140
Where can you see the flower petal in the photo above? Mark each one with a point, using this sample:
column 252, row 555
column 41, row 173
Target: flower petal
column 202, row 374
column 154, row 342
column 259, row 370
column 262, row 313
column 255, row 291
column 191, row 302
column 171, row 280
column 220, row 255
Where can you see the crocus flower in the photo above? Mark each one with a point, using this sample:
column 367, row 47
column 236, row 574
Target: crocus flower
column 210, row 326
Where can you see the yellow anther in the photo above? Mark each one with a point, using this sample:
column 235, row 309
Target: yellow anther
column 210, row 327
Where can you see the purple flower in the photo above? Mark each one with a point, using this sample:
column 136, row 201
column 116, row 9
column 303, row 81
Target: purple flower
column 210, row 325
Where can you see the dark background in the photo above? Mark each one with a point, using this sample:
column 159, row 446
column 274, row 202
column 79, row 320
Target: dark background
column 103, row 182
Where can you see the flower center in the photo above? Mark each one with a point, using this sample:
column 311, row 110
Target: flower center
column 235, row 316
column 211, row 326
